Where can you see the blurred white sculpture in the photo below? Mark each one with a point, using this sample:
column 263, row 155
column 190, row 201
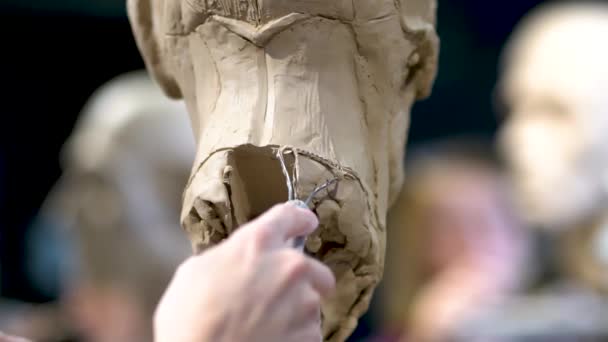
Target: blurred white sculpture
column 125, row 168
column 554, row 82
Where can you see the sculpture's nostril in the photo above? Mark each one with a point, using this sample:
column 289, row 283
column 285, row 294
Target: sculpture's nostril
column 255, row 181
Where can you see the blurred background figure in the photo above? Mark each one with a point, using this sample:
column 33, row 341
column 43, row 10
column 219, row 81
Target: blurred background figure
column 112, row 220
column 553, row 86
column 455, row 245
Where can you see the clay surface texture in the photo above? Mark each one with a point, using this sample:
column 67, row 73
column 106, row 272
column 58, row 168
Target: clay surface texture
column 328, row 84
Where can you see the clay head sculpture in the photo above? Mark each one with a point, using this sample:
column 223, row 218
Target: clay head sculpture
column 125, row 166
column 553, row 83
column 326, row 84
column 131, row 151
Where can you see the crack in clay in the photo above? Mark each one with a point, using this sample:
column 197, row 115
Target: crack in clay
column 326, row 17
column 380, row 18
column 219, row 79
column 358, row 70
column 262, row 105
column 226, row 182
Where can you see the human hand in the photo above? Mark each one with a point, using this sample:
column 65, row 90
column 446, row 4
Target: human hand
column 8, row 338
column 251, row 287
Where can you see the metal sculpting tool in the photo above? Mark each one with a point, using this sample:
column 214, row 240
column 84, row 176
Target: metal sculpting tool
column 300, row 241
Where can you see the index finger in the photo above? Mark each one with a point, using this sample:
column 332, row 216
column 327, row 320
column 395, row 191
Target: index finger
column 323, row 279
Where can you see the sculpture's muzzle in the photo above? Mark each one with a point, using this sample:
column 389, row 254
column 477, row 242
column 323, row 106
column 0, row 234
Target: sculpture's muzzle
column 235, row 185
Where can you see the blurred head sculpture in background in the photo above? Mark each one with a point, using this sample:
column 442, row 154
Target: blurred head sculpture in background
column 451, row 227
column 554, row 82
column 329, row 84
column 125, row 167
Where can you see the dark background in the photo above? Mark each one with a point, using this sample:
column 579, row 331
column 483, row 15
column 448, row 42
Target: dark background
column 55, row 53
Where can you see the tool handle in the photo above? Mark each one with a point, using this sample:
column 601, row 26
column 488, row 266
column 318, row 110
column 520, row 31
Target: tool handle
column 299, row 241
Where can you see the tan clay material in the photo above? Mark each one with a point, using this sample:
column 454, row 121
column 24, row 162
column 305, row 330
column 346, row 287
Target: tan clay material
column 554, row 86
column 328, row 83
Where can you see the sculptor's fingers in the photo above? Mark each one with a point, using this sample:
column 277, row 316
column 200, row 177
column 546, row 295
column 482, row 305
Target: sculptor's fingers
column 310, row 332
column 8, row 338
column 305, row 316
column 323, row 279
column 299, row 268
column 279, row 224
